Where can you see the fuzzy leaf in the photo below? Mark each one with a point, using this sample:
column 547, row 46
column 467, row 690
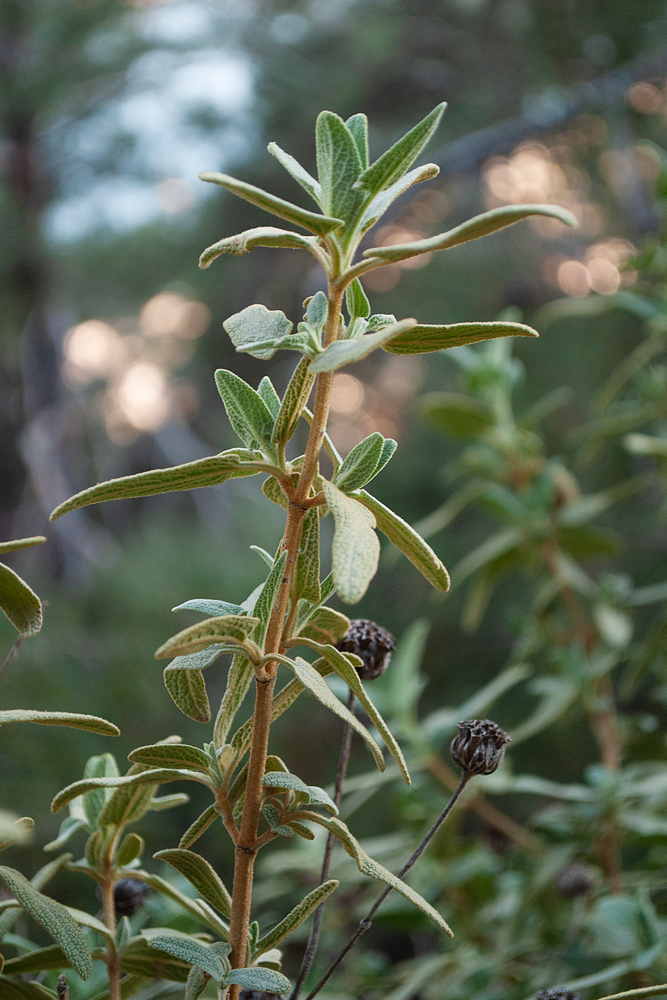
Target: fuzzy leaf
column 318, row 797
column 383, row 199
column 53, row 917
column 200, row 825
column 160, row 803
column 14, row 989
column 192, row 951
column 171, row 755
column 268, row 595
column 357, row 304
column 264, row 980
column 299, row 173
column 51, row 957
column 325, row 625
column 214, row 609
column 227, row 629
column 196, row 983
column 357, row 126
column 14, row 830
column 367, row 866
column 399, row 158
column 317, row 310
column 268, row 393
column 250, row 239
column 356, row 549
column 480, row 225
column 130, row 848
column 239, row 679
column 93, row 802
column 196, row 908
column 308, row 562
column 248, row 414
column 425, row 338
column 155, row 776
column 201, row 875
column 359, row 465
column 285, row 780
column 187, row 689
column 89, row 723
column 296, row 917
column 338, row 166
column 19, row 602
column 21, row 543
column 344, row 352
column 406, row 539
column 294, row 401
column 313, row 221
column 254, row 325
column 199, row 661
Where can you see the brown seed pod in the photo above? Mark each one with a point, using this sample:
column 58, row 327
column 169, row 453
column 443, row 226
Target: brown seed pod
column 574, row 880
column 557, row 993
column 479, row 746
column 372, row 643
column 129, row 896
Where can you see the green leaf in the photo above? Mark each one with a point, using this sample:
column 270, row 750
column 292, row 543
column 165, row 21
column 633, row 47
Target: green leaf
column 21, row 543
column 214, row 609
column 248, row 414
column 93, row 802
column 308, row 562
column 160, row 803
column 13, row 829
column 313, row 221
column 301, row 830
column 357, row 304
column 388, row 449
column 200, row 825
column 89, row 723
column 344, row 352
column 53, row 917
column 227, row 629
column 130, row 848
column 294, row 401
column 384, row 199
column 338, row 166
column 171, row 755
column 356, row 550
column 299, row 173
column 394, row 163
column 480, row 225
column 285, row 780
column 239, row 679
column 360, row 464
column 192, row 951
column 14, row 989
column 250, row 239
column 344, row 669
column 407, row 541
column 196, row 983
column 196, row 908
column 266, row 390
column 254, row 325
column 317, row 310
column 204, row 658
column 312, row 680
column 264, row 980
column 187, row 689
column 367, row 866
column 155, row 777
column 325, row 625
column 40, row 960
column 19, row 602
column 201, row 875
column 193, row 475
column 268, row 595
column 318, row 797
column 139, row 959
column 425, row 338
column 357, row 126
column 295, row 917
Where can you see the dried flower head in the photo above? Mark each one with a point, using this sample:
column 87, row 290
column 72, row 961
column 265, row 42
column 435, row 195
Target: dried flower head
column 372, row 643
column 557, row 993
column 479, row 746
column 129, row 896
column 574, row 880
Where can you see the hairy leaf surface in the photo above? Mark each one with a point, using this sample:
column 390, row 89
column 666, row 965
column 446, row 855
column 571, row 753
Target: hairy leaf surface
column 356, row 549
column 313, row 221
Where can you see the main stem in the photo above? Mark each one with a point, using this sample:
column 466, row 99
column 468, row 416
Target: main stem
column 246, row 843
column 113, row 961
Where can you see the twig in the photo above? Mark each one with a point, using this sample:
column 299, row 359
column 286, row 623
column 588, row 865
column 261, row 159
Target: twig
column 11, row 656
column 368, row 919
column 62, row 988
column 313, row 940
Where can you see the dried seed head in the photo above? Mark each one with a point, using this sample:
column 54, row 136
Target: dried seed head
column 372, row 643
column 557, row 993
column 129, row 895
column 479, row 746
column 574, row 880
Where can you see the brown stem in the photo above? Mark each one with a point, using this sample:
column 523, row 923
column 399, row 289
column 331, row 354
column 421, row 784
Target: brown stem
column 113, row 960
column 62, row 989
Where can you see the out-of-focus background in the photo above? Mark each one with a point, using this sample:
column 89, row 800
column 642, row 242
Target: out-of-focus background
column 110, row 333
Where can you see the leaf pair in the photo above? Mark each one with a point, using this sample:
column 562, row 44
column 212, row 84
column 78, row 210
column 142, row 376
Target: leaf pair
column 17, row 600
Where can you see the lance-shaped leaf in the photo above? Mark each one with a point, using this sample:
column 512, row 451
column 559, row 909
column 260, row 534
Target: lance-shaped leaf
column 19, row 602
column 257, row 325
column 294, row 401
column 21, row 543
column 201, row 875
column 356, row 550
column 406, row 539
column 191, row 950
column 268, row 594
column 312, row 680
column 14, row 989
column 480, row 225
column 51, row 957
column 308, row 562
column 196, row 983
column 193, row 475
column 383, row 199
column 359, row 465
column 356, row 302
column 155, row 776
column 317, row 310
column 344, row 669
column 344, row 352
column 286, row 782
column 93, row 802
column 399, row 158
column 326, row 626
column 139, row 959
column 425, row 337
column 53, row 917
column 263, row 980
column 367, row 866
column 227, row 629
column 357, row 125
column 200, row 825
column 250, row 239
column 295, row 917
column 299, row 173
column 338, row 166
column 187, row 689
column 268, row 393
column 197, row 908
column 214, row 609
column 239, row 679
column 313, row 221
column 90, row 723
column 248, row 414
column 171, row 755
